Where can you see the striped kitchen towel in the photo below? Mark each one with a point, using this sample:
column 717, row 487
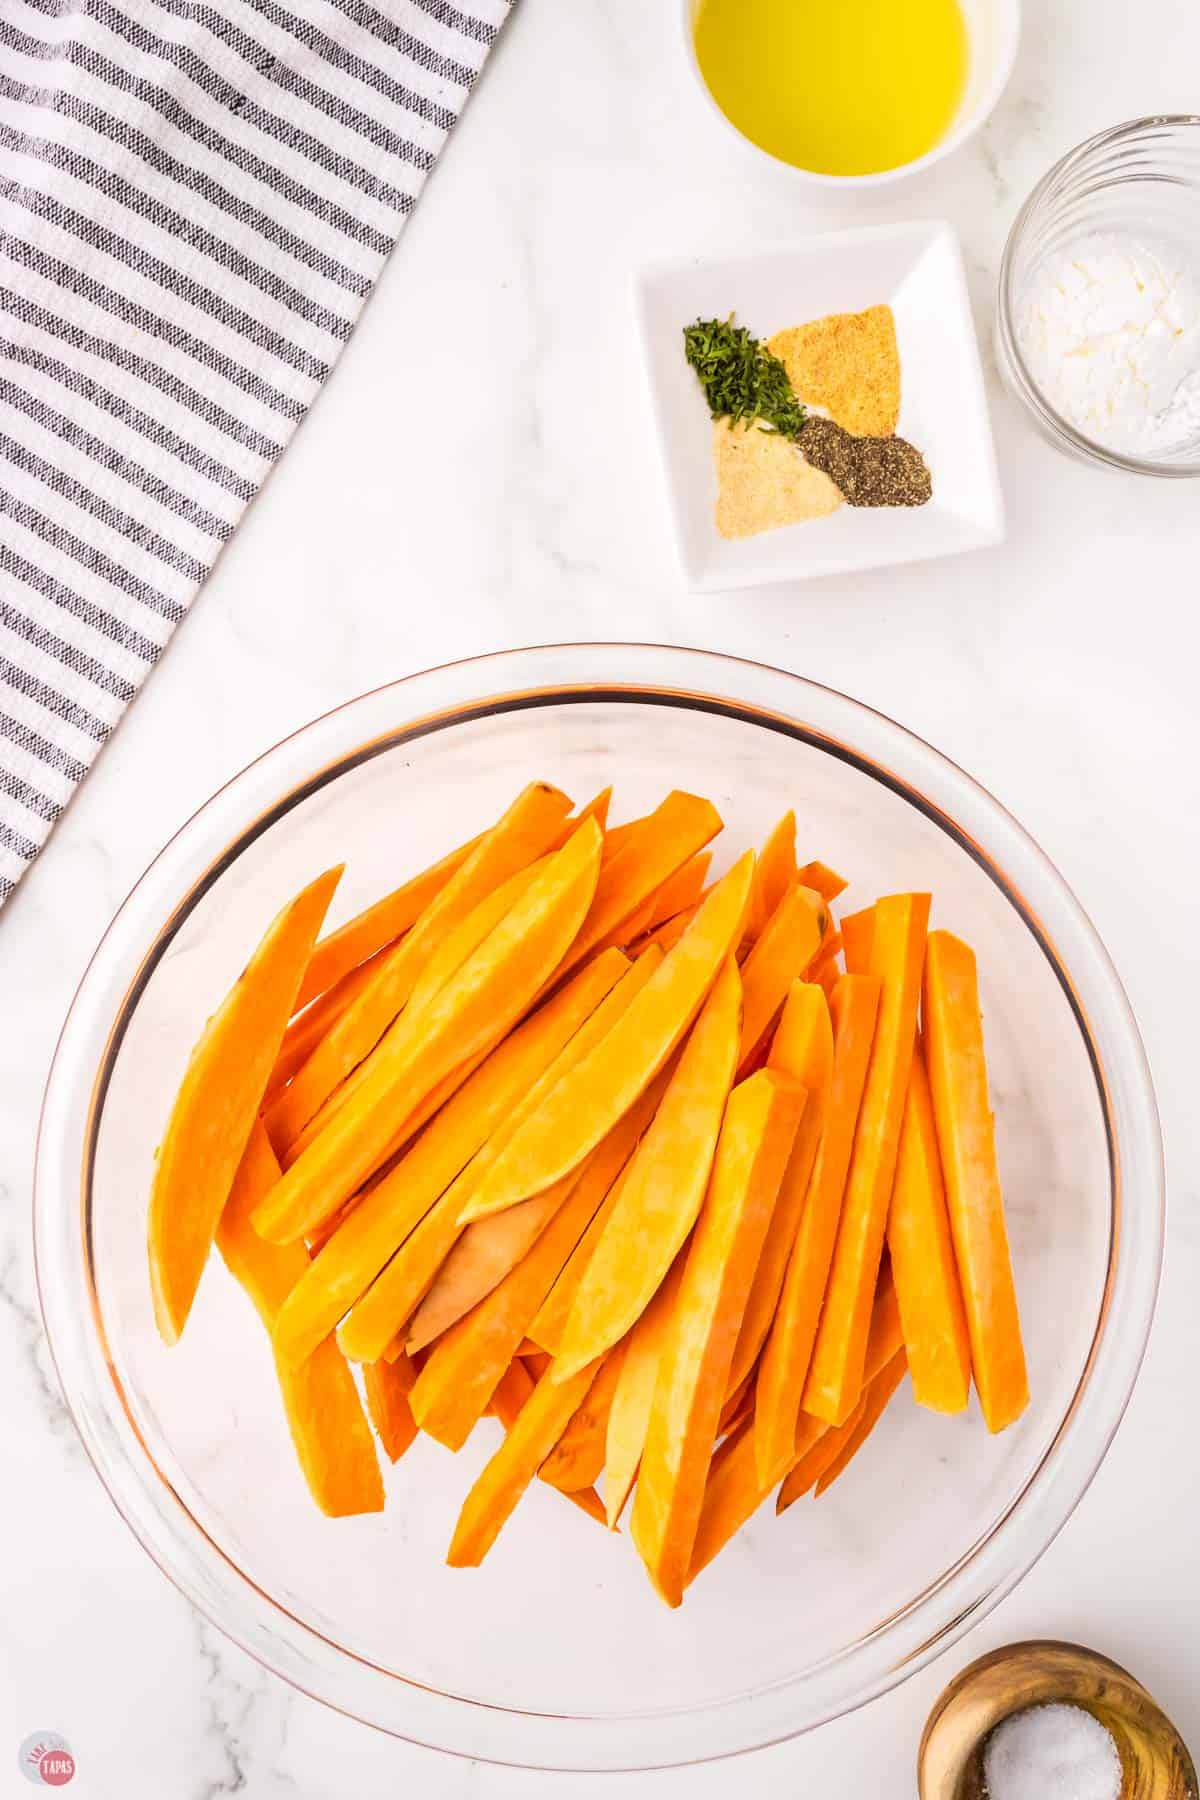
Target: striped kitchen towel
column 196, row 197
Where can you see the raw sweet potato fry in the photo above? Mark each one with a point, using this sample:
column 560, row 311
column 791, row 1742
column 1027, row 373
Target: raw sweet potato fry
column 783, row 1368
column 307, row 1028
column 467, row 1360
column 388, row 1387
column 533, row 1435
column 804, row 1474
column 774, row 874
column 878, row 1396
column 803, row 1049
column 681, row 890
column 857, row 930
column 365, row 1239
column 966, row 1134
column 655, row 851
column 834, row 1380
column 827, row 882
column 488, row 1248
column 364, row 936
column 756, row 1140
column 489, row 993
column 514, row 1389
column 218, row 1101
column 789, row 940
column 594, row 1095
column 577, row 1459
column 633, row 1398
column 667, row 935
column 664, row 1189
column 320, row 1401
column 389, row 1303
column 923, row 1265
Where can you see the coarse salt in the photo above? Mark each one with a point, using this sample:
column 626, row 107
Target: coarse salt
column 1109, row 326
column 1052, row 1752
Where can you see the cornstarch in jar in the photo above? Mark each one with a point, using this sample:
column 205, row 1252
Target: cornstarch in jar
column 1109, row 327
column 1052, row 1753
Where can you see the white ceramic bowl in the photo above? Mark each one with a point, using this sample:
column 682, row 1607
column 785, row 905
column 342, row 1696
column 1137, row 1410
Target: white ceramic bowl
column 993, row 32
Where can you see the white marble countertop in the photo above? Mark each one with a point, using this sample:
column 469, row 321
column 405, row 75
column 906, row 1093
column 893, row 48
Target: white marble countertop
column 1059, row 669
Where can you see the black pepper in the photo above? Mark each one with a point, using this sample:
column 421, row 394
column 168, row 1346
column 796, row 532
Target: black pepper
column 869, row 471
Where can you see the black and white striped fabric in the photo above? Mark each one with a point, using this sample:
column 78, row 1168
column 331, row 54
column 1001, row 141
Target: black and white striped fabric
column 196, row 197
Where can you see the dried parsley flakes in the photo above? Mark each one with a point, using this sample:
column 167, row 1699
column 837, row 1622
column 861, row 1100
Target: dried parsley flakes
column 740, row 377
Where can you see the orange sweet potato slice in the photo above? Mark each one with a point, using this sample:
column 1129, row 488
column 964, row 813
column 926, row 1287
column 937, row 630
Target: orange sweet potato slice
column 307, row 1028
column 965, row 1131
column 490, row 1247
column 803, row 1049
column 385, row 1215
column 681, row 890
column 548, row 1326
column 857, row 931
column 774, row 874
column 577, row 1459
column 218, row 1101
column 665, row 1186
column 585, row 1105
column 513, row 1390
column 526, row 832
column 629, row 1415
column 923, row 1266
column 369, row 932
column 826, row 881
column 533, row 1435
column 788, row 1349
column 804, row 1474
column 487, row 995
column 387, row 1387
column 466, row 1362
column 790, row 939
column 835, row 1373
column 651, row 854
column 388, row 1304
column 734, row 1490
column 756, row 1140
column 875, row 1404
column 324, row 1414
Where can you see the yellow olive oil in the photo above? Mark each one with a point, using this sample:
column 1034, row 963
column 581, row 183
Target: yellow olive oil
column 841, row 87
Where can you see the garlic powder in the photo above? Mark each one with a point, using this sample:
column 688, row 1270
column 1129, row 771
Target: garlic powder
column 1109, row 327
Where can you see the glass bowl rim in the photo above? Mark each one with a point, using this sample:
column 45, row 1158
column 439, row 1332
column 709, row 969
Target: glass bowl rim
column 1048, row 416
column 772, row 699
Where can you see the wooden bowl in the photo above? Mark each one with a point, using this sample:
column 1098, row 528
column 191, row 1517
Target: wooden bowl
column 1155, row 1762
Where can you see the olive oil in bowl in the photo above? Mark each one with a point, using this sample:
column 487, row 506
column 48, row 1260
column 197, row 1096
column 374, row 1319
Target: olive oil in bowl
column 837, row 87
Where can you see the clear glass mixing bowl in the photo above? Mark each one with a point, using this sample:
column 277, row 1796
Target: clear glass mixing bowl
column 1142, row 179
column 556, row 1653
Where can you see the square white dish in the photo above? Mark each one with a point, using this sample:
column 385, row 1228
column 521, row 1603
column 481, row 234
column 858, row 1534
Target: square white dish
column 917, row 270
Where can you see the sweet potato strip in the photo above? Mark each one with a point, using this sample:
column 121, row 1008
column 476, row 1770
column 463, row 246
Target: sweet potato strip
column 629, row 1415
column 878, row 1397
column 324, row 1414
column 369, row 932
column 665, row 1187
column 681, row 890
column 804, row 1474
column 652, row 853
column 488, row 994
column 734, row 1491
column 515, row 1387
column 525, row 833
column 803, row 1049
column 489, row 1248
column 307, row 1028
column 382, row 1219
column 587, row 1102
column 756, row 1140
column 389, row 1303
column 790, row 939
column 387, row 1387
column 923, row 1265
column 857, row 930
column 666, row 936
column 533, row 1435
column 774, row 874
column 466, row 1362
column 835, row 1373
column 218, row 1102
column 959, row 1085
column 577, row 1459
column 788, row 1349
column 826, row 881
